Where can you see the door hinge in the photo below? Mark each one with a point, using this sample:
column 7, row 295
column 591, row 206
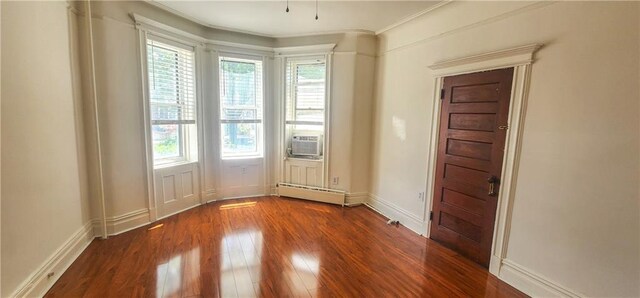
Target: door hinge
column 431, row 215
column 441, row 93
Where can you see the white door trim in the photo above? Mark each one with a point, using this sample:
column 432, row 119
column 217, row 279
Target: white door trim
column 520, row 58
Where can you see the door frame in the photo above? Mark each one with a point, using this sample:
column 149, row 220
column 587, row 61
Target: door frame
column 520, row 58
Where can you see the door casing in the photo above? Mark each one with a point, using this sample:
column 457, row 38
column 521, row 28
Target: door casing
column 521, row 59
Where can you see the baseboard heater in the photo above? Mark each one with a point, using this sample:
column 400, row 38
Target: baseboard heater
column 311, row 193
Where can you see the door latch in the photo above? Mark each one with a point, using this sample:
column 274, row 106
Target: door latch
column 492, row 185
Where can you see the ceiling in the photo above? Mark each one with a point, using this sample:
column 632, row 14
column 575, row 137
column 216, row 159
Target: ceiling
column 268, row 18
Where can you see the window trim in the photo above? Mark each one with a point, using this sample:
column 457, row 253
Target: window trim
column 291, row 86
column 185, row 140
column 260, row 116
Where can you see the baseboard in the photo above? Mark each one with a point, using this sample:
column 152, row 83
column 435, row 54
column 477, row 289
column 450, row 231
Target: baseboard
column 39, row 282
column 209, row 195
column 123, row 223
column 356, row 198
column 531, row 283
column 392, row 211
column 311, row 193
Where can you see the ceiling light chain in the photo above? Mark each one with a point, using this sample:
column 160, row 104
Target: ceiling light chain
column 287, row 10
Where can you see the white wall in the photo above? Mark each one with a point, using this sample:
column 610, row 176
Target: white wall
column 576, row 217
column 43, row 191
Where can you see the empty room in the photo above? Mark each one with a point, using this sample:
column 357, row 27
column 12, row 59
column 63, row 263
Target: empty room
column 317, row 148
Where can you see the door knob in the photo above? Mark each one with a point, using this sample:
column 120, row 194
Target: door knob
column 492, row 185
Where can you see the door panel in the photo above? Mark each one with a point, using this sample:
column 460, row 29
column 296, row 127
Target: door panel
column 187, row 184
column 470, row 151
column 169, row 188
column 177, row 188
column 242, row 177
column 304, row 172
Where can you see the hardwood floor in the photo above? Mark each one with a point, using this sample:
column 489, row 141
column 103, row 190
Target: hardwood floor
column 274, row 247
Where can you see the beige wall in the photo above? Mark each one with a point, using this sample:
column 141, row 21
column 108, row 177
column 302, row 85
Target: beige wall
column 575, row 216
column 43, row 193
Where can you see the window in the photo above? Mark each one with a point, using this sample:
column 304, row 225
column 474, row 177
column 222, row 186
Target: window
column 241, row 100
column 172, row 103
column 306, row 80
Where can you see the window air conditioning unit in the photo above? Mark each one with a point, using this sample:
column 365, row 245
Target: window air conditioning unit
column 306, row 145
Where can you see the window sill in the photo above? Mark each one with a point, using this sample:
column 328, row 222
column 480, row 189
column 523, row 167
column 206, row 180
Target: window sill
column 242, row 157
column 174, row 164
column 305, row 158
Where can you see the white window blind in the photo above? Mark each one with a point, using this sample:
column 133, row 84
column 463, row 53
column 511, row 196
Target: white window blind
column 172, row 101
column 241, row 103
column 306, row 85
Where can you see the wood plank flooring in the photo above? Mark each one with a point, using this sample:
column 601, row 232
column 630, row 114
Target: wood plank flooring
column 274, row 247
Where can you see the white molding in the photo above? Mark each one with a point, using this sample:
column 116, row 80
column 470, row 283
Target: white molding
column 126, row 222
column 38, row 282
column 174, row 213
column 96, row 120
column 166, row 31
column 209, row 195
column 520, row 58
column 506, row 195
column 533, row 284
column 393, row 211
column 143, row 22
column 320, row 33
column 486, row 61
column 305, row 50
column 226, row 46
column 438, row 35
column 326, row 144
column 412, row 17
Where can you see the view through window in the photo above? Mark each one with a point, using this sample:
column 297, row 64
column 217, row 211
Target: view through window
column 241, row 101
column 172, row 102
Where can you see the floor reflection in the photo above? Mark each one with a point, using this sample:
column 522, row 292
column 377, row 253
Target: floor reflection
column 241, row 263
column 277, row 248
column 307, row 267
column 170, row 274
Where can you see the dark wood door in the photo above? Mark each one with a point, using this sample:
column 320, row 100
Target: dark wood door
column 473, row 128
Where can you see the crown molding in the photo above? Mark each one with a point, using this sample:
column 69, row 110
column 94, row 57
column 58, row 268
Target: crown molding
column 311, row 49
column 318, row 33
column 412, row 17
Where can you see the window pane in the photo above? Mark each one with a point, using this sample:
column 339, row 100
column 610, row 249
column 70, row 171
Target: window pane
column 238, row 83
column 165, row 112
column 239, row 114
column 310, row 96
column 163, row 66
column 307, row 128
column 172, row 101
column 240, row 138
column 241, row 99
column 311, row 72
column 166, row 141
column 310, row 115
